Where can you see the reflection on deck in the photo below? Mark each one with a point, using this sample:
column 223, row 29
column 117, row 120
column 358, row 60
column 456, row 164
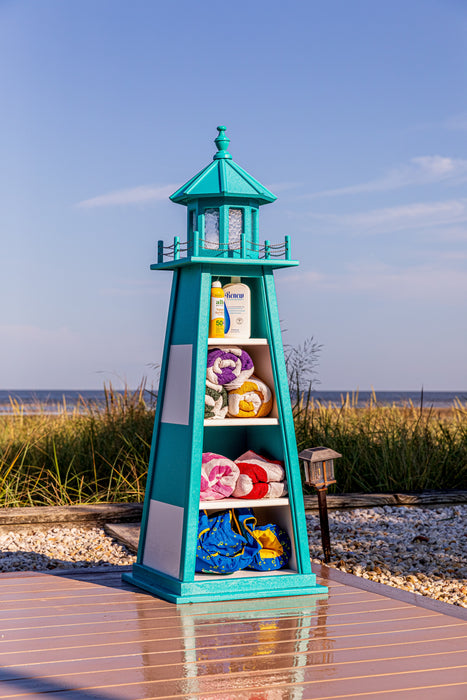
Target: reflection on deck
column 89, row 636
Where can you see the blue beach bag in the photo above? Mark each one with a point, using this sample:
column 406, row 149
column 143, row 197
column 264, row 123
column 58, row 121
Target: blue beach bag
column 275, row 547
column 221, row 548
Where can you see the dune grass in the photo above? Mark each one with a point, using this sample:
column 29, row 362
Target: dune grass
column 388, row 448
column 88, row 455
column 100, row 454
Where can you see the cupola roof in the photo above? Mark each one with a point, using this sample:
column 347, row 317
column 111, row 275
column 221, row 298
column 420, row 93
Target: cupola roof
column 223, row 178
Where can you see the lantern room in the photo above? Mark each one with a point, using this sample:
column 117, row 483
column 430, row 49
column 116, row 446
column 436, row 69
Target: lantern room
column 222, row 203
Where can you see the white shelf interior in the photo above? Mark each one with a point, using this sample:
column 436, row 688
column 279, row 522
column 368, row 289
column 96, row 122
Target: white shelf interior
column 244, row 573
column 222, row 503
column 267, row 510
column 258, row 349
column 270, row 511
column 237, row 422
column 234, row 342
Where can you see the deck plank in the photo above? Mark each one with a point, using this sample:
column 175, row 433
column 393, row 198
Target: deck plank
column 385, row 620
column 87, row 635
column 270, row 670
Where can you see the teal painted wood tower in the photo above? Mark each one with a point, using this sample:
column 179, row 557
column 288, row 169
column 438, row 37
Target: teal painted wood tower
column 222, row 243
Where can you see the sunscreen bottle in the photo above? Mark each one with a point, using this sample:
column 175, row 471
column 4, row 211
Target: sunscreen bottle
column 237, row 309
column 216, row 317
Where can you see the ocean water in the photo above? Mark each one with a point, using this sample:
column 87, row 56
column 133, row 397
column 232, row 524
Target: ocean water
column 53, row 401
column 437, row 399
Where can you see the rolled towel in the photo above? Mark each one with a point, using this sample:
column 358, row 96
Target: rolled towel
column 259, row 477
column 218, row 477
column 228, row 367
column 215, row 403
column 247, row 487
column 253, row 399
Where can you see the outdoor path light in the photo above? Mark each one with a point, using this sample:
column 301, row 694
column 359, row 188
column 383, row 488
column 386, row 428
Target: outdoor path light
column 318, row 464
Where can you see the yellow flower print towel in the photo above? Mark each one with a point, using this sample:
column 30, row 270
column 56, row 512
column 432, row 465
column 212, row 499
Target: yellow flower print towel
column 253, row 399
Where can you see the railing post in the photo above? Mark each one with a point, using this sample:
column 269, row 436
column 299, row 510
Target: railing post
column 195, row 244
column 160, row 251
column 267, row 249
column 287, row 248
column 176, row 247
column 243, row 245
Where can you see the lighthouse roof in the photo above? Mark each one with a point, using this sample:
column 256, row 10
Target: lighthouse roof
column 223, row 178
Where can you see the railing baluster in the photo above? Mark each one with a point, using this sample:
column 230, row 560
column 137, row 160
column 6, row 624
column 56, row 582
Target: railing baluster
column 247, row 248
column 243, row 252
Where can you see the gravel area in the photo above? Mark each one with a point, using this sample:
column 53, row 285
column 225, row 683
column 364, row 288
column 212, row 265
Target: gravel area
column 422, row 550
column 60, row 548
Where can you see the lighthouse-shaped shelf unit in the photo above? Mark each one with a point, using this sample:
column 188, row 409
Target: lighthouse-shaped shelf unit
column 222, row 203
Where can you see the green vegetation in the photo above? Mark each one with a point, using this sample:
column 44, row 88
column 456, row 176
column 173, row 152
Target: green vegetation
column 388, row 448
column 87, row 455
column 92, row 455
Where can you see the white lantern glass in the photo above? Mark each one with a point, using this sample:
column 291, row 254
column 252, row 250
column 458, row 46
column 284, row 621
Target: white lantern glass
column 211, row 228
column 235, row 227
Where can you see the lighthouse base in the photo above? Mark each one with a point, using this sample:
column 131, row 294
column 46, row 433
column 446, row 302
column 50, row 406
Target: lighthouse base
column 210, row 587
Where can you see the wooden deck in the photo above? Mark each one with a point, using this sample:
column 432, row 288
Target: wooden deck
column 88, row 636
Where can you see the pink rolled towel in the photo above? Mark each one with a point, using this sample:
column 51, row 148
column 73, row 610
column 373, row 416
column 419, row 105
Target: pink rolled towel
column 218, row 477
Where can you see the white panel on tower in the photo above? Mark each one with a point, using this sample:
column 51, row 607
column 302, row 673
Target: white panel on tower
column 163, row 542
column 176, row 408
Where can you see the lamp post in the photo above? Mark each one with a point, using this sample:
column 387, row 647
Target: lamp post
column 318, row 464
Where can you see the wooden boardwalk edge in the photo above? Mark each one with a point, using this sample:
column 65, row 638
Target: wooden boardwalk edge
column 327, row 573
column 94, row 515
column 83, row 515
column 373, row 500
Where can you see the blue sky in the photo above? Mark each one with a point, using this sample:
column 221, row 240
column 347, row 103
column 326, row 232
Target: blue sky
column 354, row 113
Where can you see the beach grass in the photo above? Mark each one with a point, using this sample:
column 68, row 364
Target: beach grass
column 95, row 454
column 387, row 448
column 90, row 454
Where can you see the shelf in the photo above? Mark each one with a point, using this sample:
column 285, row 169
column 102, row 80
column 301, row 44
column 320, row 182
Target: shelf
column 244, row 573
column 222, row 503
column 237, row 422
column 213, row 342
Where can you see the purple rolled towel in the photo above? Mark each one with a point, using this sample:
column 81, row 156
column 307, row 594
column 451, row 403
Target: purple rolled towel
column 228, row 367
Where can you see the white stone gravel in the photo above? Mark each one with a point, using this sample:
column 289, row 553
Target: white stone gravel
column 60, row 548
column 417, row 549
